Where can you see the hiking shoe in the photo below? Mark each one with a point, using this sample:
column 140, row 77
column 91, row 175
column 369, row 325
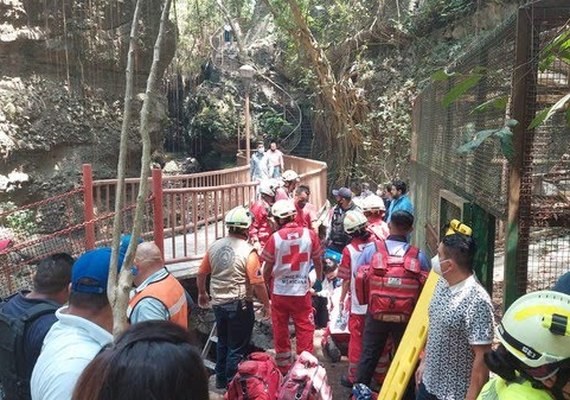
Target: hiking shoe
column 344, row 381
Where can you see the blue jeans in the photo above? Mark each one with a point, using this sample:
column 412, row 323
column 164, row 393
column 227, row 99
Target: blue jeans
column 276, row 173
column 423, row 394
column 234, row 322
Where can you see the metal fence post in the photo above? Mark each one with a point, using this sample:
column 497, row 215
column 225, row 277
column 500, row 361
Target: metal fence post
column 158, row 225
column 88, row 214
column 518, row 225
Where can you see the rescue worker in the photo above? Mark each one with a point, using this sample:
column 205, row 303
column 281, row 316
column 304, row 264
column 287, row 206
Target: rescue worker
column 290, row 181
column 306, row 212
column 158, row 295
column 262, row 226
column 374, row 209
column 533, row 359
column 235, row 276
column 287, row 256
column 337, row 238
column 355, row 224
column 378, row 324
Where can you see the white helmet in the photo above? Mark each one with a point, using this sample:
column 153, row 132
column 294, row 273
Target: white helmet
column 354, row 220
column 536, row 328
column 239, row 217
column 266, row 187
column 283, row 209
column 373, row 203
column 290, row 175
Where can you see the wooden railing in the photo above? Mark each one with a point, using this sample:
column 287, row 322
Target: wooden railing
column 193, row 206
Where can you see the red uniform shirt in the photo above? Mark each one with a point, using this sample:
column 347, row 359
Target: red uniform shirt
column 260, row 228
column 306, row 215
column 290, row 250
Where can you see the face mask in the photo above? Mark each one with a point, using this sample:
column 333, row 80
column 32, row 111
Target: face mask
column 260, row 149
column 436, row 265
column 134, row 270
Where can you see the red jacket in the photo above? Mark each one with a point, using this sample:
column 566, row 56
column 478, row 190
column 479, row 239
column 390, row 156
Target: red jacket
column 261, row 229
column 306, row 215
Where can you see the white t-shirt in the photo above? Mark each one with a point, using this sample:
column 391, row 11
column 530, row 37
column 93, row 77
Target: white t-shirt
column 71, row 344
column 460, row 316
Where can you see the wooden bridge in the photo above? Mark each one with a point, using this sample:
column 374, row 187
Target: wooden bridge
column 184, row 215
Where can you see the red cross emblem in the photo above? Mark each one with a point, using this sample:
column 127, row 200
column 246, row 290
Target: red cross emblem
column 295, row 258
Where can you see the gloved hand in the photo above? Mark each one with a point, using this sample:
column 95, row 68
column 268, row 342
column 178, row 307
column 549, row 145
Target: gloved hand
column 318, row 286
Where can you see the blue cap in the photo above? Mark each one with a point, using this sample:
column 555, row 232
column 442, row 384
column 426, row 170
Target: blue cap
column 93, row 265
column 343, row 192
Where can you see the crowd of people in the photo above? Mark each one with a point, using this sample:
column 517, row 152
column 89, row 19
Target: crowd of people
column 56, row 340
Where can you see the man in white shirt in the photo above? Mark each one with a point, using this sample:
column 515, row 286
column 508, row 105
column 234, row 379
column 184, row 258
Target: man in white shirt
column 82, row 329
column 276, row 164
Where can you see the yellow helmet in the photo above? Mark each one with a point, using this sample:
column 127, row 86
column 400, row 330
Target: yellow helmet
column 373, row 203
column 536, row 328
column 283, row 209
column 354, row 220
column 456, row 226
column 239, row 217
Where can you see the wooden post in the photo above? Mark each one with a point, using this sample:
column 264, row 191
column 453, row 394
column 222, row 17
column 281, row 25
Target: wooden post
column 88, row 214
column 157, row 209
column 517, row 231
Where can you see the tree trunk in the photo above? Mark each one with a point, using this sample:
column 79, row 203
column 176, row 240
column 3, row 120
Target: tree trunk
column 124, row 283
column 122, row 162
column 341, row 106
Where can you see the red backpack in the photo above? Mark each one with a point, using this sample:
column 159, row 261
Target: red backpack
column 257, row 378
column 306, row 380
column 390, row 285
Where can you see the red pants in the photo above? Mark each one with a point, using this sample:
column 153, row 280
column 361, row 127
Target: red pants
column 299, row 308
column 356, row 328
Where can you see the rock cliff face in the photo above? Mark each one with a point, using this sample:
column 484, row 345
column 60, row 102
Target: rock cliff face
column 61, row 90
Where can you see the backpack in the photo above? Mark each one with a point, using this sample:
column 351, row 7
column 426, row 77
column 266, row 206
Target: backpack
column 12, row 329
column 306, row 380
column 257, row 378
column 390, row 285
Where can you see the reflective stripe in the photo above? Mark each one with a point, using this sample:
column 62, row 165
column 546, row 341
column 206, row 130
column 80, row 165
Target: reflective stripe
column 381, row 284
column 283, row 355
column 178, row 305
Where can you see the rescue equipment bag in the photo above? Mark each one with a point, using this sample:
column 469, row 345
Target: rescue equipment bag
column 306, row 380
column 257, row 378
column 12, row 328
column 390, row 285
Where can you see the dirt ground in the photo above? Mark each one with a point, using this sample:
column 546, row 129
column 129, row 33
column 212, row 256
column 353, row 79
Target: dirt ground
column 334, row 372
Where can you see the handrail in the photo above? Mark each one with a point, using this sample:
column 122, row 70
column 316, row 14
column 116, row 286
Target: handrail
column 207, row 188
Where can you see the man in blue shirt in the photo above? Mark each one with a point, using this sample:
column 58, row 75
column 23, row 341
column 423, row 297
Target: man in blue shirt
column 50, row 291
column 400, row 200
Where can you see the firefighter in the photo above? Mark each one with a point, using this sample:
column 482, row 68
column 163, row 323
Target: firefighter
column 262, row 226
column 355, row 225
column 235, row 276
column 287, row 256
column 374, row 209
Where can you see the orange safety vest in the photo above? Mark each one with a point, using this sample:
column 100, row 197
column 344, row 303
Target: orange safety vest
column 170, row 293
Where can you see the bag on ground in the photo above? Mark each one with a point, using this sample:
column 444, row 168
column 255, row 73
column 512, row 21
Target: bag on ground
column 257, row 378
column 306, row 380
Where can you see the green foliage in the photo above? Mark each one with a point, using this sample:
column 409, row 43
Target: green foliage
column 22, row 222
column 435, row 14
column 274, row 124
column 469, row 82
column 504, row 135
column 547, row 113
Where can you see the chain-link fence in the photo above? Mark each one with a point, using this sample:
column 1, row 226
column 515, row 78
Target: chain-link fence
column 446, row 184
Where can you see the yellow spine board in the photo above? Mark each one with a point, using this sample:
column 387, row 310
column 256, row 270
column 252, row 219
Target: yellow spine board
column 405, row 360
